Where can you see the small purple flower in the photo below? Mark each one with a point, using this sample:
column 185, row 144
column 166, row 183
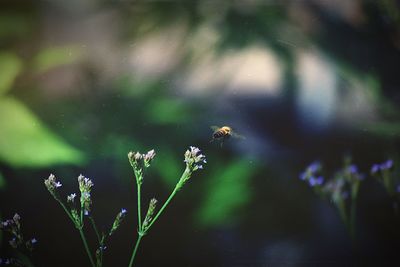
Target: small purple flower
column 33, row 241
column 314, row 167
column 375, row 169
column 398, row 188
column 313, row 181
column 303, row 176
column 123, row 211
column 352, row 169
column 387, row 165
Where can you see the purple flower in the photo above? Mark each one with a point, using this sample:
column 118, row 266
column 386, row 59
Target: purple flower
column 375, row 169
column 352, row 169
column 303, row 176
column 387, row 165
column 194, row 159
column 398, row 188
column 313, row 181
column 33, row 241
column 123, row 211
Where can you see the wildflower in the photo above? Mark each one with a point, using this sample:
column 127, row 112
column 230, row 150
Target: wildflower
column 85, row 186
column 194, row 159
column 313, row 181
column 384, row 166
column 375, row 169
column 134, row 158
column 16, row 218
column 52, row 184
column 71, row 197
column 118, row 220
column 335, row 189
column 311, row 174
column 150, row 213
column 148, row 157
column 387, row 165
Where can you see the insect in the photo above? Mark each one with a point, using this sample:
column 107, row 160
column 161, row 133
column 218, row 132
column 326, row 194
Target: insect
column 223, row 133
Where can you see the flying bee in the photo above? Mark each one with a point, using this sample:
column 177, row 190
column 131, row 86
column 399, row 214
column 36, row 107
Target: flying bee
column 223, row 133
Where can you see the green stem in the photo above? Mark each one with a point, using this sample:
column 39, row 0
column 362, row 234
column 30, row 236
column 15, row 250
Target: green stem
column 353, row 210
column 135, row 249
column 342, row 212
column 95, row 228
column 86, row 247
column 178, row 186
column 139, row 210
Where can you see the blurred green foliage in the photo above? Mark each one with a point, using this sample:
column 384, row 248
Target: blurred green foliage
column 10, row 67
column 26, row 141
column 227, row 190
column 56, row 56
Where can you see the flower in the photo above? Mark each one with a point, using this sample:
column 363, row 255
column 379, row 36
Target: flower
column 384, row 166
column 118, row 220
column 313, row 181
column 71, row 197
column 387, row 165
column 148, row 157
column 150, row 213
column 85, row 186
column 194, row 159
column 52, row 184
column 311, row 174
column 375, row 169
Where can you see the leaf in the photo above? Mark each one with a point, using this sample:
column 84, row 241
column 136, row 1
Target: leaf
column 57, row 56
column 10, row 67
column 26, row 142
column 227, row 192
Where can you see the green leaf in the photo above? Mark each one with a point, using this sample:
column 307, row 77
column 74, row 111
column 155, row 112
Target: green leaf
column 26, row 142
column 57, row 56
column 10, row 67
column 227, row 191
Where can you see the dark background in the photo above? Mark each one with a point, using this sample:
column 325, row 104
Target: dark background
column 84, row 82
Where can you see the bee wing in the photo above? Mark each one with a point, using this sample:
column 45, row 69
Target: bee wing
column 236, row 135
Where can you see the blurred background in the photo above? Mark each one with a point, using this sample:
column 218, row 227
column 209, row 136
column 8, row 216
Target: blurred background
column 84, row 82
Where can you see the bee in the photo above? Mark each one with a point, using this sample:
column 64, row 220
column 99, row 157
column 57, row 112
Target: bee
column 223, row 133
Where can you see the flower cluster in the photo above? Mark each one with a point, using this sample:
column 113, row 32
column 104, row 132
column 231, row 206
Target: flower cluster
column 194, row 159
column 382, row 167
column 118, row 220
column 150, row 213
column 383, row 172
column 85, row 187
column 138, row 161
column 13, row 226
column 312, row 174
column 52, row 184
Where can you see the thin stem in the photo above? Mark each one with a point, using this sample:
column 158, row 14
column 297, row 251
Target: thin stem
column 139, row 210
column 86, row 247
column 178, row 186
column 135, row 249
column 353, row 209
column 95, row 228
